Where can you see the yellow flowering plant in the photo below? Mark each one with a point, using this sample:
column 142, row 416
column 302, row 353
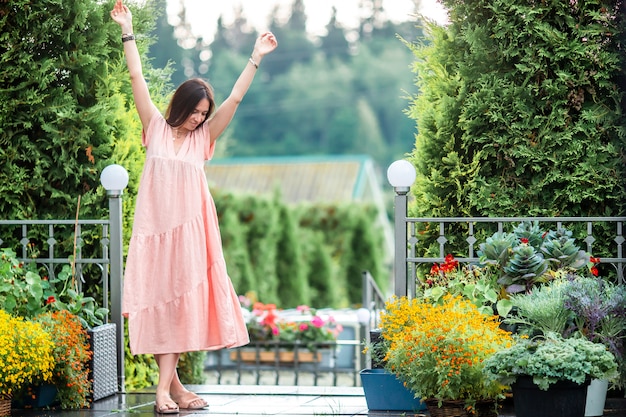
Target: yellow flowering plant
column 25, row 354
column 438, row 348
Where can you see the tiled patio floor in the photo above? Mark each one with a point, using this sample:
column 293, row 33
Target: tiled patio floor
column 260, row 400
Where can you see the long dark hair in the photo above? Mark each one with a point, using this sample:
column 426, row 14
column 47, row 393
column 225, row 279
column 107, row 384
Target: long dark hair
column 186, row 98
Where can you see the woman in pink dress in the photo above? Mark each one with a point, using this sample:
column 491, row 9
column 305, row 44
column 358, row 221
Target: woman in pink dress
column 177, row 294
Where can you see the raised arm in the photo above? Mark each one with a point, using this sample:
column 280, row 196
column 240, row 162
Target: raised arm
column 122, row 16
column 264, row 44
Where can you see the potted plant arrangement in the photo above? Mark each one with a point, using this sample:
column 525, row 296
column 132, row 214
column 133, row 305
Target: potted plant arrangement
column 438, row 351
column 65, row 315
column 549, row 374
column 298, row 338
column 574, row 305
column 25, row 357
column 598, row 309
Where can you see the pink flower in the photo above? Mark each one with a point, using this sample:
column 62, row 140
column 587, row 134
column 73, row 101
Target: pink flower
column 245, row 301
column 303, row 326
column 317, row 322
column 275, row 330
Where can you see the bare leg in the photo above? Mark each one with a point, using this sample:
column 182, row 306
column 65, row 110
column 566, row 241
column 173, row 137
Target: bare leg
column 185, row 398
column 167, row 372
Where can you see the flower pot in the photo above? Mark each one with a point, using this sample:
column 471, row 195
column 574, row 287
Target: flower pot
column 596, row 397
column 562, row 399
column 36, row 396
column 103, row 366
column 383, row 391
column 273, row 356
column 453, row 408
column 5, row 406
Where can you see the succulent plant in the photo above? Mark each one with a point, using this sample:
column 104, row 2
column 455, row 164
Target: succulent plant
column 524, row 269
column 496, row 249
column 531, row 233
column 560, row 247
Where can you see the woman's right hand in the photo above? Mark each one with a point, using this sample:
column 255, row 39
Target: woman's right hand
column 122, row 16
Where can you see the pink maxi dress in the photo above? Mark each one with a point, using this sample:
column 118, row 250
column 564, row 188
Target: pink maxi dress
column 178, row 296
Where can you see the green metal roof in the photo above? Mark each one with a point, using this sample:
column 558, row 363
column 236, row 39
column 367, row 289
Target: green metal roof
column 299, row 178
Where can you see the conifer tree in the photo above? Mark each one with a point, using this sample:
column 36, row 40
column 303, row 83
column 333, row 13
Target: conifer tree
column 65, row 111
column 291, row 270
column 520, row 110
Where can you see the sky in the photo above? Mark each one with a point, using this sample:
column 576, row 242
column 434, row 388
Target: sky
column 203, row 14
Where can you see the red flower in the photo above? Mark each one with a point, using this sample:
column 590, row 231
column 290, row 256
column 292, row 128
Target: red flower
column 524, row 240
column 50, row 300
column 594, row 271
column 594, row 260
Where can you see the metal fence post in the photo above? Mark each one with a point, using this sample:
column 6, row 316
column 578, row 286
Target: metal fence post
column 114, row 178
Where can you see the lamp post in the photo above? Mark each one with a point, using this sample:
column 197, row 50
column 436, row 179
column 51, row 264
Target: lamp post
column 114, row 179
column 401, row 175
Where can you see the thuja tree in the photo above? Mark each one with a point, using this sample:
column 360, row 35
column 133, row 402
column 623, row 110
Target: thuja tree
column 65, row 111
column 520, row 110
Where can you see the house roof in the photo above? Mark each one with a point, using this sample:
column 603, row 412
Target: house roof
column 299, row 178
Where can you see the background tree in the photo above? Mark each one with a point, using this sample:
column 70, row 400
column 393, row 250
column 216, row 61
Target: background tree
column 313, row 96
column 291, row 269
column 334, row 43
column 520, row 110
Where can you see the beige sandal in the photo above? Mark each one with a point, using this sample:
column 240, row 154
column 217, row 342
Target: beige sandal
column 186, row 405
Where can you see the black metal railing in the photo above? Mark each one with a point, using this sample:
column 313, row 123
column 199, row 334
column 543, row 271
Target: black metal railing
column 287, row 363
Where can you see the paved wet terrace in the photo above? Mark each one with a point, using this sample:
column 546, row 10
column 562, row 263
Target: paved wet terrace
column 261, row 400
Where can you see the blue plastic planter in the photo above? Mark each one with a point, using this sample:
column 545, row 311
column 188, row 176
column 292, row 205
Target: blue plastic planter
column 383, row 391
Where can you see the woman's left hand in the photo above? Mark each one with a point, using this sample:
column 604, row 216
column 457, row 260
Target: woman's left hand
column 265, row 43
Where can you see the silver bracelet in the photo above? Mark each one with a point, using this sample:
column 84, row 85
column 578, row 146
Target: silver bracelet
column 253, row 63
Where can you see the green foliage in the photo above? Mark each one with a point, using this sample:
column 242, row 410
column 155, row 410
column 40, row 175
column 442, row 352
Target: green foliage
column 191, row 368
column 233, row 235
column 364, row 254
column 259, row 218
column 523, row 265
column 560, row 247
column 476, row 284
column 21, row 289
column 518, row 256
column 310, row 253
column 520, row 110
column 541, row 311
column 341, row 226
column 291, row 270
column 550, row 359
column 26, row 293
column 324, row 289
